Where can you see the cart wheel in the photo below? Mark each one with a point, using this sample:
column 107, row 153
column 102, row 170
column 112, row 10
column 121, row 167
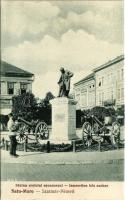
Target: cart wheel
column 87, row 134
column 21, row 138
column 41, row 131
column 115, row 134
column 23, row 128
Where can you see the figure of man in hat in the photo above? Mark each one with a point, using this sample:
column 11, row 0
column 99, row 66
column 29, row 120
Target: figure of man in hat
column 61, row 83
column 64, row 82
column 13, row 126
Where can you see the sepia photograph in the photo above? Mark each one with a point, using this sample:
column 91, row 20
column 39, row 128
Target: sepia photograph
column 62, row 100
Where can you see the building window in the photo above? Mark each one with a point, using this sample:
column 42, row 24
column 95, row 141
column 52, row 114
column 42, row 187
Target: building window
column 100, row 99
column 122, row 74
column 91, row 98
column 108, row 80
column 99, row 82
column 118, row 75
column 112, row 95
column 102, row 80
column 83, row 99
column 23, row 88
column 10, row 88
column 118, row 94
column 122, row 93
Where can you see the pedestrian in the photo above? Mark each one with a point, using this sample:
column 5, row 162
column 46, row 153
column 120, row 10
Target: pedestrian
column 13, row 127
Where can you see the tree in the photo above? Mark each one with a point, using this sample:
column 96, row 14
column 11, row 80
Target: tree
column 28, row 107
column 49, row 96
column 46, row 101
column 24, row 105
column 44, row 108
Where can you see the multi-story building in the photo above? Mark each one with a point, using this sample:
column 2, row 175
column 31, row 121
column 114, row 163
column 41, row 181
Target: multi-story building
column 13, row 81
column 109, row 83
column 85, row 92
column 107, row 86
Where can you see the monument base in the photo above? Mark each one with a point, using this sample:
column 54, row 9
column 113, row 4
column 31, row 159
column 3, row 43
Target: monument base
column 63, row 121
column 60, row 141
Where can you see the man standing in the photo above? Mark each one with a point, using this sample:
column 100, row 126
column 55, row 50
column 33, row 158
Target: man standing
column 13, row 127
column 64, row 82
column 61, row 83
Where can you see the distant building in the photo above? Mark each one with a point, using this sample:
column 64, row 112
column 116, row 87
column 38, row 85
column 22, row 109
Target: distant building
column 13, row 81
column 108, row 86
column 85, row 92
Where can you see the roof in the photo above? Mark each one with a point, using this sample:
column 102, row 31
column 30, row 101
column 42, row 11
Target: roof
column 109, row 63
column 90, row 76
column 7, row 69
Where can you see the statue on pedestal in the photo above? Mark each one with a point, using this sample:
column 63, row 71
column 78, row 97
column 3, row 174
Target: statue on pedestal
column 64, row 82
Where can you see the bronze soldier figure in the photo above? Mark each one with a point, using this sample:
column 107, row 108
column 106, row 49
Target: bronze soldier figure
column 64, row 82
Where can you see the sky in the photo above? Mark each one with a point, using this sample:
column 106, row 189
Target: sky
column 42, row 36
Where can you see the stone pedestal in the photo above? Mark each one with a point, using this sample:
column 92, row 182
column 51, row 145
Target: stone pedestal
column 63, row 120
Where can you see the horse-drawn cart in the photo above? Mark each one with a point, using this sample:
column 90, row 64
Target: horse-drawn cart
column 95, row 130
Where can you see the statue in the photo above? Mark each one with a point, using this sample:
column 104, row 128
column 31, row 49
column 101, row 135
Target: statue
column 64, row 82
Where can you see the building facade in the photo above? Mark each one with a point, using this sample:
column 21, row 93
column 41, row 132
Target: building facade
column 110, row 83
column 13, row 81
column 84, row 91
column 108, row 86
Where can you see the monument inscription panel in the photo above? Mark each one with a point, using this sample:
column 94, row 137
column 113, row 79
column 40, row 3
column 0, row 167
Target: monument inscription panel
column 63, row 120
column 59, row 117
